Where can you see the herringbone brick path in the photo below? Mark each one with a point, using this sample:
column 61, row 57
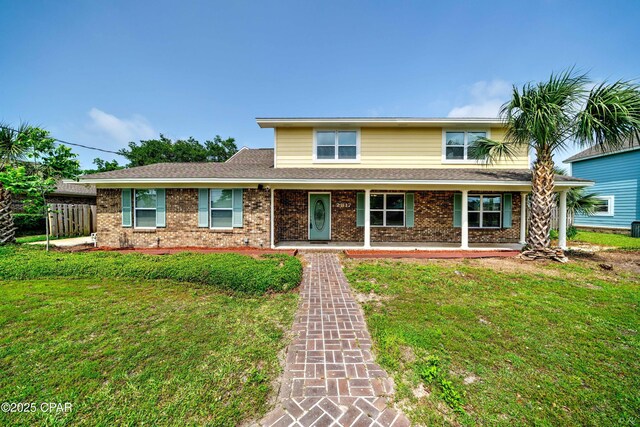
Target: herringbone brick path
column 330, row 377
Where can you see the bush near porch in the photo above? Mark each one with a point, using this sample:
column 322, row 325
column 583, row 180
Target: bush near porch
column 506, row 342
column 227, row 271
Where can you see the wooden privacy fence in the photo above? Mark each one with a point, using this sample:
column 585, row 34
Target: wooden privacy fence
column 71, row 220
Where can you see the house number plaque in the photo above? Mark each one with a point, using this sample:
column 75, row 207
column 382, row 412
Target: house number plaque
column 344, row 205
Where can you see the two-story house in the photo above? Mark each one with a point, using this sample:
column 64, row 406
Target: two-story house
column 330, row 182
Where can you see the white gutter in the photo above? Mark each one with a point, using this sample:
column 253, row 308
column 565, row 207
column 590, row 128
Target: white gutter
column 266, row 181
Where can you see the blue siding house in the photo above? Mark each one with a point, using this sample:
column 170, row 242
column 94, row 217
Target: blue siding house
column 617, row 183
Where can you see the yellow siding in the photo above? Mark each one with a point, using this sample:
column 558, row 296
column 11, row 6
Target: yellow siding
column 382, row 148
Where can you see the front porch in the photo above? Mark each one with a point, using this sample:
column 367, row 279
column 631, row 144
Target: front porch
column 477, row 219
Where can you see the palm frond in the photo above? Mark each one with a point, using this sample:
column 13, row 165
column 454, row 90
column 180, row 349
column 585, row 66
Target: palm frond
column 492, row 151
column 11, row 148
column 611, row 116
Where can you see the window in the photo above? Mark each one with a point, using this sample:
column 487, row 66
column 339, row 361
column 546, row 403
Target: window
column 221, row 208
column 332, row 145
column 145, row 208
column 484, row 211
column 387, row 210
column 604, row 206
column 457, row 143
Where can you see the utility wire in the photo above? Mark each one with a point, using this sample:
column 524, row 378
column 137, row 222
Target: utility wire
column 70, row 143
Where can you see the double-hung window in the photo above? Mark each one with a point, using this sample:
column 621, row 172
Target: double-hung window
column 336, row 145
column 145, row 206
column 457, row 144
column 484, row 211
column 387, row 210
column 221, row 208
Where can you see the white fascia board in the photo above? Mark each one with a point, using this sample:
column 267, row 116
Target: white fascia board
column 267, row 181
column 267, row 122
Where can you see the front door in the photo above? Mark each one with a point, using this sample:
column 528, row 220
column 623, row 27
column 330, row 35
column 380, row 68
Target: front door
column 319, row 216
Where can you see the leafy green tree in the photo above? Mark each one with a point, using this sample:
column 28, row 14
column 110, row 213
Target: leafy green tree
column 36, row 167
column 103, row 166
column 165, row 150
column 547, row 117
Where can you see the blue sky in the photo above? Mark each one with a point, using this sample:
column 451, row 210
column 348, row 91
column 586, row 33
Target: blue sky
column 104, row 73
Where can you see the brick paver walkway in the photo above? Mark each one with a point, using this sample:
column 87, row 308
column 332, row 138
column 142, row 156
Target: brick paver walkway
column 330, row 377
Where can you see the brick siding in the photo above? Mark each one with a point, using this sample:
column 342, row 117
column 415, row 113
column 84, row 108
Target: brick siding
column 433, row 220
column 182, row 222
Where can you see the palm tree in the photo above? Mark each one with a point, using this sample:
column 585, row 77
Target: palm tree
column 550, row 115
column 11, row 150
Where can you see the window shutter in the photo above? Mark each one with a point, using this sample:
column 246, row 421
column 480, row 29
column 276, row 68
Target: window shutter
column 161, row 211
column 360, row 210
column 203, row 207
column 506, row 211
column 457, row 210
column 409, row 212
column 237, row 207
column 126, row 207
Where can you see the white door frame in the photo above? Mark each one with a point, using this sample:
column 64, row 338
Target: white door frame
column 309, row 212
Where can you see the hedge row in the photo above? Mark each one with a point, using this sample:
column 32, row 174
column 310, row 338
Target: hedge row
column 239, row 273
column 29, row 223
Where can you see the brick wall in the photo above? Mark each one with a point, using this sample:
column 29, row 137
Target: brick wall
column 433, row 220
column 182, row 222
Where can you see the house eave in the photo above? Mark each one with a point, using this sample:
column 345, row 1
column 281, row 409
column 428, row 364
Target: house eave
column 328, row 182
column 598, row 155
column 273, row 122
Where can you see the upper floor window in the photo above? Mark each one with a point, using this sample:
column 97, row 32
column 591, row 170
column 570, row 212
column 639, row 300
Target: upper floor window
column 337, row 145
column 457, row 144
column 603, row 206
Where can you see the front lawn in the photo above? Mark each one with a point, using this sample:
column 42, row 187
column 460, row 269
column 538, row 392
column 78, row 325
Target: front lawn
column 608, row 239
column 508, row 342
column 138, row 352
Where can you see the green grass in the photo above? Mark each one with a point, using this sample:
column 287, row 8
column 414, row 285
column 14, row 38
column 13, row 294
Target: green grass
column 36, row 238
column 548, row 345
column 139, row 352
column 609, row 239
column 225, row 271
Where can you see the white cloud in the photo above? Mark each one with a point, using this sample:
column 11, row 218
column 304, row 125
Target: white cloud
column 120, row 130
column 484, row 99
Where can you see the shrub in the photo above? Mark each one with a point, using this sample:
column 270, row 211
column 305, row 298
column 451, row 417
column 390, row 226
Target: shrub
column 29, row 224
column 238, row 273
column 572, row 232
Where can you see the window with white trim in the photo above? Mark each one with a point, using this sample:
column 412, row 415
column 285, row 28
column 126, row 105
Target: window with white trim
column 603, row 206
column 387, row 209
column 485, row 211
column 145, row 204
column 336, row 145
column 221, row 208
column 458, row 142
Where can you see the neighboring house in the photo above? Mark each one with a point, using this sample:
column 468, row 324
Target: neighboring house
column 65, row 193
column 617, row 183
column 335, row 182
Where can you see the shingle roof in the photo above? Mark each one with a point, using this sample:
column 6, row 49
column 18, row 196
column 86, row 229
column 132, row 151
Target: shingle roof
column 263, row 172
column 68, row 189
column 253, row 156
column 597, row 151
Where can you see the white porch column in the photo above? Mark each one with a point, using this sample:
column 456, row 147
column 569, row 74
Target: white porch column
column 465, row 220
column 367, row 219
column 523, row 218
column 562, row 221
